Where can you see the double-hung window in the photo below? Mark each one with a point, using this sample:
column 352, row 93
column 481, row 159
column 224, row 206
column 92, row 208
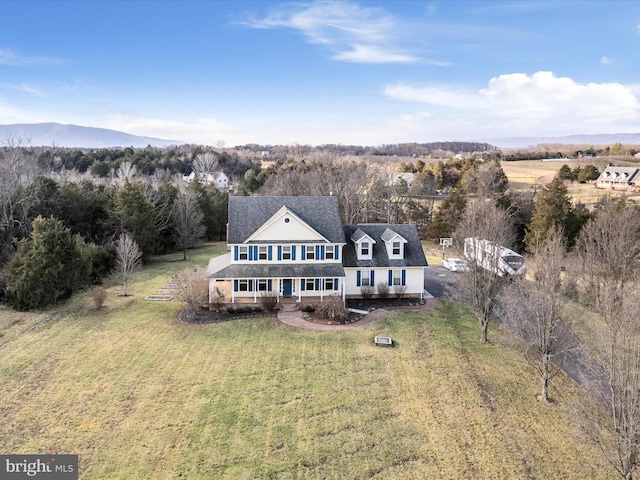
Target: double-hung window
column 364, row 249
column 243, row 252
column 328, row 253
column 262, row 252
column 311, row 252
column 286, row 252
column 396, row 248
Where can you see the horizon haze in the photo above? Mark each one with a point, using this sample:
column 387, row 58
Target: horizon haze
column 323, row 72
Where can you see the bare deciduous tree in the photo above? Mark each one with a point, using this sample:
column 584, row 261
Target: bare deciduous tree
column 126, row 171
column 539, row 314
column 480, row 287
column 18, row 170
column 608, row 251
column 187, row 219
column 205, row 163
column 128, row 258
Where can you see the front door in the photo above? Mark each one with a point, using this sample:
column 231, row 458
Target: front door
column 287, row 287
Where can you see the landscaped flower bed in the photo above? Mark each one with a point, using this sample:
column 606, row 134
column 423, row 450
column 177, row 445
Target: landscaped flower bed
column 188, row 315
column 375, row 303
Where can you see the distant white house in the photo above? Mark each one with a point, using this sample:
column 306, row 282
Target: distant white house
column 619, row 178
column 406, row 176
column 219, row 179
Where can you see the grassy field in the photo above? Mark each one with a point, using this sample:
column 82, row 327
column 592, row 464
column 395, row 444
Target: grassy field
column 527, row 173
column 139, row 395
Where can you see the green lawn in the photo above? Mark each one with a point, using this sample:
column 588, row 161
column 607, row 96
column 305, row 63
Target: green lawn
column 139, row 395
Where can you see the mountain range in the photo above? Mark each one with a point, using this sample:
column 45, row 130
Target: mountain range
column 73, row 136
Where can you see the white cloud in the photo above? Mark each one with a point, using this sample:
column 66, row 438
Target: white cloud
column 11, row 59
column 23, row 87
column 10, row 114
column 373, row 54
column 521, row 104
column 355, row 33
column 202, row 131
column 606, row 61
column 438, row 95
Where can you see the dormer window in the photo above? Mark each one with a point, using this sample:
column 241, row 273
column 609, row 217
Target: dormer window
column 363, row 244
column 394, row 243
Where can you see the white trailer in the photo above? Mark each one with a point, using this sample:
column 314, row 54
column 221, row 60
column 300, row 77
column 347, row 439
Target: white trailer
column 495, row 258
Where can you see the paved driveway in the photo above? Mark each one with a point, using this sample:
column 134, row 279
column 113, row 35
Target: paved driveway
column 437, row 279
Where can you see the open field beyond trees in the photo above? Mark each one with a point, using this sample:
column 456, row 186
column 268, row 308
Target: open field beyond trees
column 524, row 174
column 139, row 395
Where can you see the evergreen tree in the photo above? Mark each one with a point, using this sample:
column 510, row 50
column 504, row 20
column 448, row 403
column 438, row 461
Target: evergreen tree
column 448, row 214
column 48, row 266
column 552, row 211
column 565, row 173
column 134, row 213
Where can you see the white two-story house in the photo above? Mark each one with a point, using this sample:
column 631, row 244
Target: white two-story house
column 297, row 247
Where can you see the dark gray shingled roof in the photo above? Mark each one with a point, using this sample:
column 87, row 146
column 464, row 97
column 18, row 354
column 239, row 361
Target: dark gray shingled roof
column 248, row 214
column 413, row 252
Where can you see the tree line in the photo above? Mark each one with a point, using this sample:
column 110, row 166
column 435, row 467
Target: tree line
column 60, row 233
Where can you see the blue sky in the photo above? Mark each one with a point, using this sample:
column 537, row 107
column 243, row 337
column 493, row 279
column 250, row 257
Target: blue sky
column 346, row 72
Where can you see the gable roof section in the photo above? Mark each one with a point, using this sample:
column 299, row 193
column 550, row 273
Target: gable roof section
column 388, row 235
column 249, row 214
column 270, row 231
column 413, row 252
column 358, row 235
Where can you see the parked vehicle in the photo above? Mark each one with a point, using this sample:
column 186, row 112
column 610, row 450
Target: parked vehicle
column 495, row 258
column 455, row 265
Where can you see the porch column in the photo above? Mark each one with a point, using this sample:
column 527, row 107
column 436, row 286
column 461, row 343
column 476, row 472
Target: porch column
column 233, row 290
column 255, row 290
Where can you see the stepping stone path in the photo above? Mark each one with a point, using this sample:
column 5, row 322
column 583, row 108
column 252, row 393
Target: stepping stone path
column 166, row 293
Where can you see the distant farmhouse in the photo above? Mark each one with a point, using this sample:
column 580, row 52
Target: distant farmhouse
column 298, row 248
column 219, row 179
column 620, row 178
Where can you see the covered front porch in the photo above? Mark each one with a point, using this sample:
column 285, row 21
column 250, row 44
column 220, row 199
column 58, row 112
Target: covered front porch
column 299, row 290
column 247, row 283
